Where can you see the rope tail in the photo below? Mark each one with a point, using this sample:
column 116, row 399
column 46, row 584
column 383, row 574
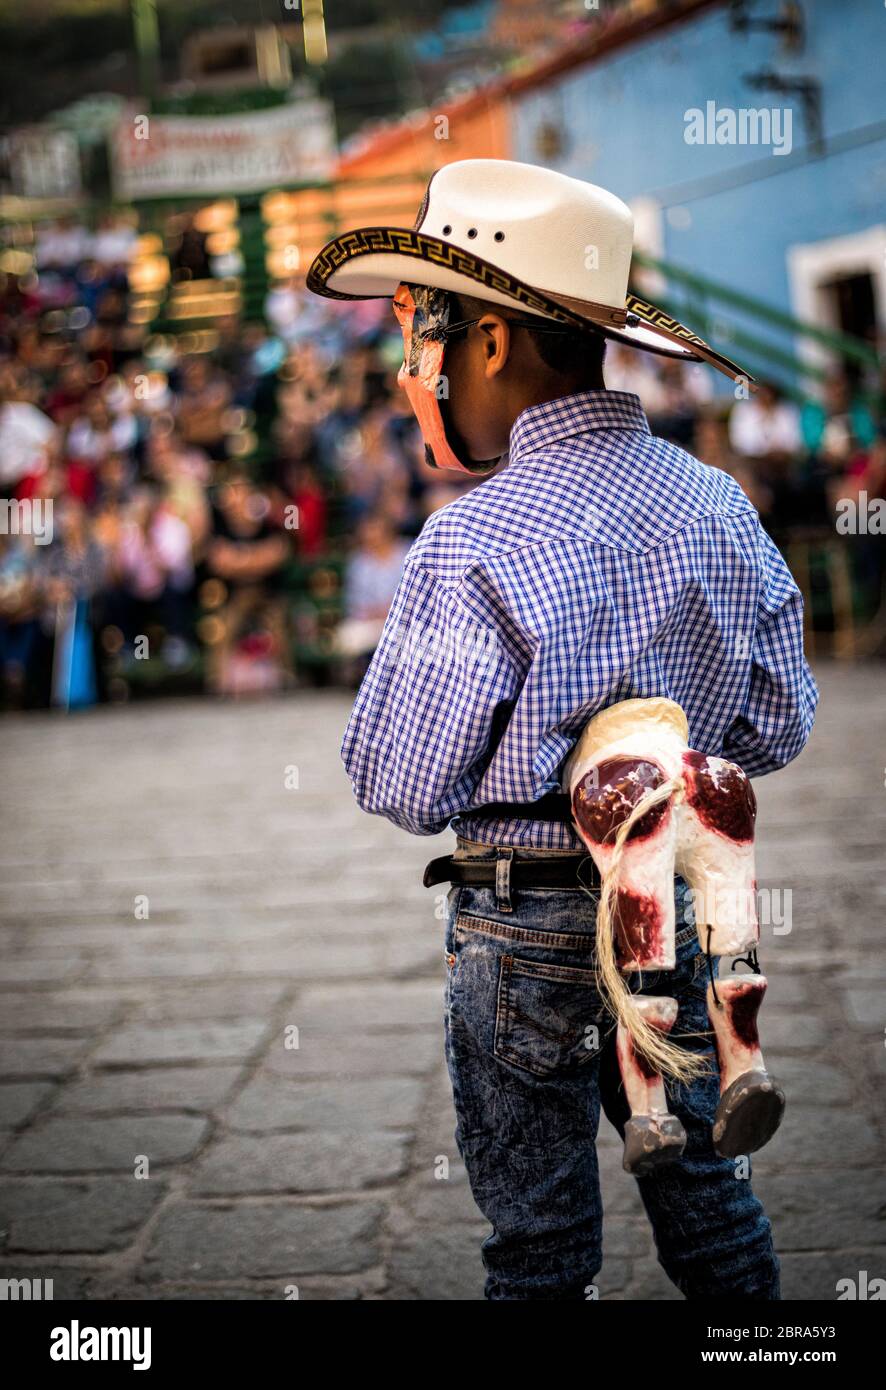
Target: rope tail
column 666, row 1057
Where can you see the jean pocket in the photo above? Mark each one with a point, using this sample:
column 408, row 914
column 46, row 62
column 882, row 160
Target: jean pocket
column 548, row 1017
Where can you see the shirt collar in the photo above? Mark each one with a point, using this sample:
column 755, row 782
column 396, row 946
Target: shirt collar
column 540, row 425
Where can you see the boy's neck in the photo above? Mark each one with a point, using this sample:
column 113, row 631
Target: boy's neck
column 554, row 391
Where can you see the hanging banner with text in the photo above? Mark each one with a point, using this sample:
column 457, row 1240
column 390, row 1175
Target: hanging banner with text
column 165, row 156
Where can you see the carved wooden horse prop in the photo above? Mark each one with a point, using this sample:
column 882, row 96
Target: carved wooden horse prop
column 647, row 806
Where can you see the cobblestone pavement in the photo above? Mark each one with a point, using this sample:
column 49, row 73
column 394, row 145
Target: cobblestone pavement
column 171, row 910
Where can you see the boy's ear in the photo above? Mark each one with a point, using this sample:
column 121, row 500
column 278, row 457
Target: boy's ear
column 496, row 343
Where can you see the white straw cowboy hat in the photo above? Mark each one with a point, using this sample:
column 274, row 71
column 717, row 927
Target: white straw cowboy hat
column 516, row 235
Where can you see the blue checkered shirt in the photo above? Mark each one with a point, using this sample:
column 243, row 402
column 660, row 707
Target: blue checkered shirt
column 601, row 564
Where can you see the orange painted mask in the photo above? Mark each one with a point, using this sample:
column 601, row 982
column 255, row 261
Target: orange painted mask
column 423, row 316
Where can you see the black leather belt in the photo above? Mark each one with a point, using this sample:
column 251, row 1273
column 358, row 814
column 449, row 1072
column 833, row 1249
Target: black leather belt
column 559, row 871
column 551, row 806
column 562, row 871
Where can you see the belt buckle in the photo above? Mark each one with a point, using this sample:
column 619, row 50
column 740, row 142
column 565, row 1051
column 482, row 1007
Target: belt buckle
column 503, row 860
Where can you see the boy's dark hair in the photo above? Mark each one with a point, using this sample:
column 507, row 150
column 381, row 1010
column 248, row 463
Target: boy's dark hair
column 572, row 353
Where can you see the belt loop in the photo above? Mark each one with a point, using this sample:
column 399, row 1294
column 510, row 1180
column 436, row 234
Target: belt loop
column 503, row 861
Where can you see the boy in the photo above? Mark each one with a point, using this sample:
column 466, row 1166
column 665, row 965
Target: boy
column 600, row 564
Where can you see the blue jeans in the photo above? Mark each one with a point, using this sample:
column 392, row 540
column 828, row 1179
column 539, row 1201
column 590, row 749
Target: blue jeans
column 529, row 1075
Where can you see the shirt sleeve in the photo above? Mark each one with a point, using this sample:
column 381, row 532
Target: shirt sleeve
column 782, row 694
column 422, row 729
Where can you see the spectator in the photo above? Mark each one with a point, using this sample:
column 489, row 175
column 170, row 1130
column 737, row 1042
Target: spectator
column 202, row 402
column 154, row 563
column 73, row 571
column 684, row 390
column 764, row 431
column 27, row 435
column 765, row 426
column 66, row 399
column 837, row 433
column 62, row 246
column 373, row 574
column 300, row 504
column 18, row 615
column 247, row 554
column 113, row 244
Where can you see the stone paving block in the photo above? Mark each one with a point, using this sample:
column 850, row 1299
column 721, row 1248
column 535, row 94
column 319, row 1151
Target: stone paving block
column 19, row 1100
column 820, row 1213
column 412, row 953
column 228, row 1000
column 181, row 1042
column 299, row 962
column 162, row 965
column 790, row 991
column 439, row 1202
column 794, row 1033
column 324, row 1291
column 865, row 923
column 274, row 1239
column 353, row 1054
column 75, row 1217
column 811, row 1138
column 816, row 1277
column 60, row 918
column 647, row 1283
column 206, row 930
column 272, row 1103
column 92, row 937
column 629, row 1236
column 68, row 1283
column 94, row 1145
column 342, row 1008
column 866, row 1009
column 783, row 955
column 39, row 1057
column 49, row 1013
column 25, row 969
column 621, row 1196
column 810, row 1082
column 442, row 1264
column 851, row 975
column 438, row 1122
column 159, row 1088
column 613, row 1279
column 184, row 1293
column 300, row 1163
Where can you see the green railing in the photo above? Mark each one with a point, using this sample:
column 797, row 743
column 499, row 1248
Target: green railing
column 765, row 356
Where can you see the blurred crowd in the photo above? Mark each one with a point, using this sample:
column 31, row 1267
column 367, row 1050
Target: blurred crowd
column 794, row 461
column 230, row 509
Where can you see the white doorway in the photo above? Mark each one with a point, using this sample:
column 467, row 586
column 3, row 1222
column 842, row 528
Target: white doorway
column 839, row 284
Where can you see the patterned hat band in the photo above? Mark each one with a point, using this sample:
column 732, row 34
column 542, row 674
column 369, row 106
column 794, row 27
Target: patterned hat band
column 509, row 234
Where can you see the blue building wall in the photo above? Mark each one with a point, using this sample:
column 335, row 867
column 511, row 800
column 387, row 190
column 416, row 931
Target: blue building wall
column 730, row 212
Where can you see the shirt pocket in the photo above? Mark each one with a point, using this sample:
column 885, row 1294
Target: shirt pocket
column 549, row 1018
